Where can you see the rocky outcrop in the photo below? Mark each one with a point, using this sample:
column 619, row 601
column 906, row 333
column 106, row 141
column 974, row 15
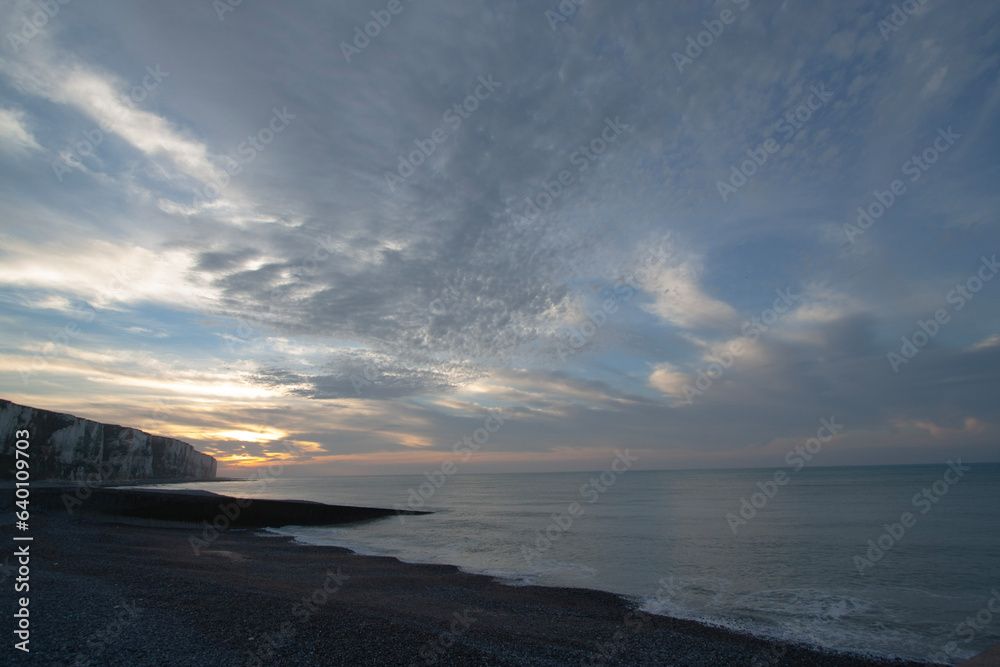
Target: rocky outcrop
column 168, row 506
column 64, row 447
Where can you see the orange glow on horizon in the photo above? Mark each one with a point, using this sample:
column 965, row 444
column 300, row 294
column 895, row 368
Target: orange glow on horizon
column 246, row 435
column 244, row 460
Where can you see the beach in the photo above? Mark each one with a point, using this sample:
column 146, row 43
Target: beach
column 104, row 593
column 500, row 333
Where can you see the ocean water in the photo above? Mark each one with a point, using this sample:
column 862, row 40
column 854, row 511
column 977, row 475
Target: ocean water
column 799, row 566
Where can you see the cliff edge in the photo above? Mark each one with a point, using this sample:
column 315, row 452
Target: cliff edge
column 68, row 448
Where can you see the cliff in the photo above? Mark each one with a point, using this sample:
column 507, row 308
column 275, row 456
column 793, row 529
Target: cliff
column 64, row 447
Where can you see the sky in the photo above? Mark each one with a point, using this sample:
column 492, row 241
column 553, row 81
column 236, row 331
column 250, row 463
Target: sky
column 370, row 237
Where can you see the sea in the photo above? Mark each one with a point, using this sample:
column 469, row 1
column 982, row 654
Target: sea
column 897, row 561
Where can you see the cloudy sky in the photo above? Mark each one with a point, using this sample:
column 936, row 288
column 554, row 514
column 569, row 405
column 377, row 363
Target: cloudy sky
column 623, row 224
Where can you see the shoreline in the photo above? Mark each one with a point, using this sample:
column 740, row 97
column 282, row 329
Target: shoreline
column 635, row 602
column 135, row 595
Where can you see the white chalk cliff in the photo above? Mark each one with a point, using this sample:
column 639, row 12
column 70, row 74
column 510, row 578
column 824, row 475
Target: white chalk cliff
column 65, row 447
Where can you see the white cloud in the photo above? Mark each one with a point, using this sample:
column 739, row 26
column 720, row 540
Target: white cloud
column 821, row 304
column 667, row 379
column 54, row 302
column 103, row 273
column 14, row 136
column 99, row 97
column 107, row 100
column 683, row 303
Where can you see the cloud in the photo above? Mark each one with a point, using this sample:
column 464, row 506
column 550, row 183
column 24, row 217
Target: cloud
column 103, row 274
column 993, row 340
column 368, row 323
column 682, row 302
column 14, row 135
column 109, row 102
column 667, row 379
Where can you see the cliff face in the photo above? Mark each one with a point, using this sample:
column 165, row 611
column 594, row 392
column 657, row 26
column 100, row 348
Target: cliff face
column 64, row 447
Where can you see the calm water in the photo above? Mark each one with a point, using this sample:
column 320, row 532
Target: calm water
column 662, row 536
